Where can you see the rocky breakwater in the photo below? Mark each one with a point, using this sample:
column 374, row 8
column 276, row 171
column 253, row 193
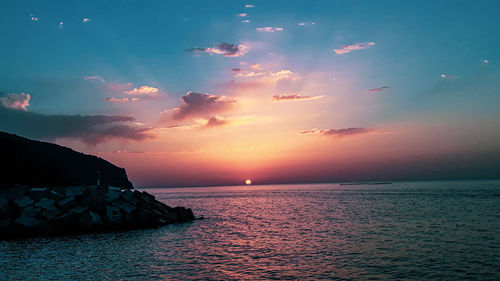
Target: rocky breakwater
column 27, row 211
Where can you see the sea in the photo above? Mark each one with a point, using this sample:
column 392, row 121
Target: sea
column 399, row 231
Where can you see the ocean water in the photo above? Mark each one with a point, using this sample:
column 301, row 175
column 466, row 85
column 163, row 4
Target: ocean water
column 403, row 231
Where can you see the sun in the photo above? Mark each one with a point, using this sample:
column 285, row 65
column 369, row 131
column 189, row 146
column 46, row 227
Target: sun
column 248, row 182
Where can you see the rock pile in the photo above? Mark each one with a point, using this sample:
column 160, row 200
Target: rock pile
column 26, row 211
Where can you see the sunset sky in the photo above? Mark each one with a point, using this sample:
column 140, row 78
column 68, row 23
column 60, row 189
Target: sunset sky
column 188, row 93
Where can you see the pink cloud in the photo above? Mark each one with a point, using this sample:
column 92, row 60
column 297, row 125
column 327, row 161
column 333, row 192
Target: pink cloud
column 294, row 97
column 269, row 29
column 94, row 78
column 242, row 15
column 349, row 48
column 448, row 76
column 118, row 87
column 16, row 101
column 112, row 99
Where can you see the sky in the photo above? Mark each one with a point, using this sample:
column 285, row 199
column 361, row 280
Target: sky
column 192, row 93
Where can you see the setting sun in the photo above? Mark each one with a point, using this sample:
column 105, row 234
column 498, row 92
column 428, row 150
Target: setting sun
column 248, row 182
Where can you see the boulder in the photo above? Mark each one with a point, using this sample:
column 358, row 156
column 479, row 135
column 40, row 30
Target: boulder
column 56, row 195
column 37, row 193
column 67, row 203
column 5, row 210
column 131, row 196
column 50, row 213
column 90, row 219
column 46, row 203
column 113, row 215
column 95, row 198
column 74, row 191
column 124, row 206
column 23, row 202
column 29, row 222
column 113, row 194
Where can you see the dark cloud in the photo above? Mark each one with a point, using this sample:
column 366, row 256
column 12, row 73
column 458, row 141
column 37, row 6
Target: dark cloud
column 200, row 105
column 294, row 97
column 214, row 122
column 380, row 89
column 91, row 129
column 224, row 49
column 338, row 132
column 236, row 69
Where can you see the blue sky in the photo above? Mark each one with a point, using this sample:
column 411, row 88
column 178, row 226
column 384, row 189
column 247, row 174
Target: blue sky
column 147, row 43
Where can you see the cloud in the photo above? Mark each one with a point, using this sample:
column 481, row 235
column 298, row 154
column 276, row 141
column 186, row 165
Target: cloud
column 215, row 121
column 249, row 6
column 60, row 25
column 338, row 132
column 349, row 48
column 249, row 74
column 486, row 61
column 224, row 49
column 118, row 87
column 245, row 21
column 380, row 89
column 143, row 90
column 91, row 129
column 448, row 76
column 16, row 101
column 33, row 18
column 306, row 23
column 294, row 97
column 94, row 78
column 242, row 15
column 201, row 104
column 269, row 29
column 112, row 99
column 85, row 20
column 283, row 72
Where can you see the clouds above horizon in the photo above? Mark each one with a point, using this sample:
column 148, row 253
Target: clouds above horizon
column 224, row 49
column 349, row 48
column 15, row 101
column 200, row 105
column 269, row 29
column 90, row 129
column 338, row 132
column 294, row 97
column 379, row 89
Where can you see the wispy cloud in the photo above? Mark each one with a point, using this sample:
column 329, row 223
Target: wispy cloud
column 200, row 105
column 448, row 76
column 242, row 15
column 269, row 29
column 294, row 97
column 379, row 89
column 85, row 20
column 117, row 100
column 94, row 78
column 16, row 101
column 60, row 25
column 249, row 74
column 33, row 18
column 224, row 49
column 306, row 23
column 349, row 48
column 249, row 6
column 338, row 132
column 143, row 90
column 245, row 21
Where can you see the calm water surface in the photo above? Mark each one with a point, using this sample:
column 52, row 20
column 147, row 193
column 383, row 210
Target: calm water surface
column 412, row 231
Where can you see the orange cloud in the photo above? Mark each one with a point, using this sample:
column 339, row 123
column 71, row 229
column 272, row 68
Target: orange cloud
column 143, row 90
column 201, row 104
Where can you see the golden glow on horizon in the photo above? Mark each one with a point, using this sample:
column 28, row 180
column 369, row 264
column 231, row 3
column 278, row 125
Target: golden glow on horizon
column 248, row 182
